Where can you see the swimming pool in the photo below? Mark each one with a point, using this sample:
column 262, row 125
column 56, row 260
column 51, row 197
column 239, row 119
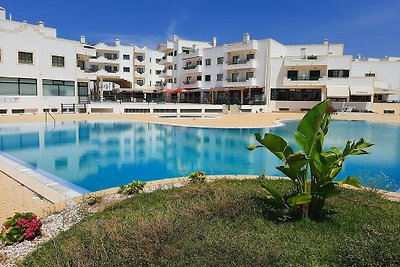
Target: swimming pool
column 97, row 155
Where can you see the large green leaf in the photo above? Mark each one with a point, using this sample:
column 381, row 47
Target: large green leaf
column 274, row 193
column 299, row 199
column 276, row 144
column 297, row 161
column 353, row 181
column 310, row 126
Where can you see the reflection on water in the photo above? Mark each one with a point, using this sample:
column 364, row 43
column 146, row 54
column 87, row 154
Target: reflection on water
column 99, row 155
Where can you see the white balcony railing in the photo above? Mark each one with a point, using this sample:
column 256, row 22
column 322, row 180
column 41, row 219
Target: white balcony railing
column 104, row 60
column 193, row 68
column 166, row 60
column 250, row 46
column 192, row 84
column 304, row 81
column 240, row 81
column 85, row 74
column 241, row 64
column 192, row 54
column 166, row 73
column 306, row 61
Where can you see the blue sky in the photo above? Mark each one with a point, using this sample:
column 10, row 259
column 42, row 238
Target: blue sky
column 371, row 28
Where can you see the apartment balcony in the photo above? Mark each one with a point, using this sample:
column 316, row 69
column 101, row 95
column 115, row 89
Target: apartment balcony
column 240, row 82
column 192, row 84
column 139, row 62
column 241, row 64
column 140, row 74
column 85, row 74
column 193, row 69
column 166, row 60
column 105, row 73
column 167, row 86
column 304, row 81
column 305, row 61
column 234, row 47
column 140, row 50
column 104, row 60
column 164, row 47
column 166, row 73
column 192, row 54
column 86, row 50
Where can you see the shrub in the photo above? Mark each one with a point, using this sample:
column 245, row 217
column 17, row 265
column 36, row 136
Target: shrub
column 312, row 163
column 197, row 177
column 132, row 188
column 20, row 227
column 93, row 199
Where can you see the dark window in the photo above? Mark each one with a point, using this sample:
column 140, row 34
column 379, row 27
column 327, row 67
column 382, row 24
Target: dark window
column 208, row 61
column 158, row 72
column 220, row 77
column 315, row 75
column 18, row 86
column 25, row 58
column 83, row 89
column 250, row 56
column 220, row 60
column 295, row 94
column 127, row 69
column 360, row 98
column 58, row 88
column 338, row 73
column 370, row 74
column 199, row 78
column 292, row 74
column 207, row 78
column 126, row 57
column 57, row 61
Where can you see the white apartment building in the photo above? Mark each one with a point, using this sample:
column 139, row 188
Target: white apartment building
column 39, row 71
column 278, row 77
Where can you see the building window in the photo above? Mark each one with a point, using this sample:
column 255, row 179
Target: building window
column 295, row 94
column 208, row 61
column 0, row 55
column 140, row 58
column 207, row 78
column 174, row 80
column 369, row 74
column 220, row 60
column 175, row 53
column 127, row 69
column 158, row 72
column 158, row 60
column 250, row 56
column 198, row 78
column 58, row 88
column 140, row 70
column 338, row 73
column 249, row 75
column 111, row 69
column 83, row 89
column 140, row 82
column 174, row 66
column 220, row 77
column 25, row 58
column 18, row 86
column 57, row 61
column 126, row 57
column 111, row 56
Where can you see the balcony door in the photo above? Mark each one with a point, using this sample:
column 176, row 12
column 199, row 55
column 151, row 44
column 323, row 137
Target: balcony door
column 315, row 75
column 235, row 77
column 235, row 59
column 292, row 75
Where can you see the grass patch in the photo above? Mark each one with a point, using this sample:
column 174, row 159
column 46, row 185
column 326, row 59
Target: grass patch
column 226, row 223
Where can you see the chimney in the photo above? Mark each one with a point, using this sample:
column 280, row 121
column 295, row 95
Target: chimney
column 326, row 42
column 117, row 42
column 40, row 23
column 83, row 39
column 174, row 38
column 214, row 41
column 246, row 38
column 2, row 13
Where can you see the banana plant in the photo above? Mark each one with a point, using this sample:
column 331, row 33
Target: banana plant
column 312, row 169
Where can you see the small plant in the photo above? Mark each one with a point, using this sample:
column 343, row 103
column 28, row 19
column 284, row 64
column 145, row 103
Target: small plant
column 20, row 227
column 132, row 188
column 197, row 177
column 312, row 169
column 93, row 199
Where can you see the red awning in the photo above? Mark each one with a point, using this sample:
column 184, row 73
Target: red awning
column 176, row 91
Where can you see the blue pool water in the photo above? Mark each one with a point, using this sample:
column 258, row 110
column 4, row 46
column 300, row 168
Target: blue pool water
column 100, row 155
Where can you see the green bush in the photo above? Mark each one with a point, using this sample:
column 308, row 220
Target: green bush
column 197, row 177
column 132, row 188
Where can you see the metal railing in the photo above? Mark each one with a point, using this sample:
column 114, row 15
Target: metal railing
column 304, row 78
column 51, row 116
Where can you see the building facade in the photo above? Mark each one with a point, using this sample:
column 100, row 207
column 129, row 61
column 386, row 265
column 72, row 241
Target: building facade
column 40, row 72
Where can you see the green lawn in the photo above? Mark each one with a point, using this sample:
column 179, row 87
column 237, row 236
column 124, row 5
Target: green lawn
column 226, row 223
